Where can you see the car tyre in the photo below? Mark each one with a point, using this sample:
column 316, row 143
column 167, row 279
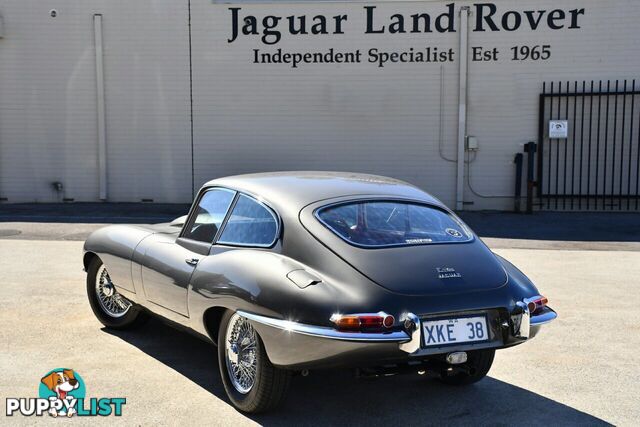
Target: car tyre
column 478, row 364
column 117, row 317
column 270, row 384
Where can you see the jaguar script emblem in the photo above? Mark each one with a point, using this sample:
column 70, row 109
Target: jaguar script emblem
column 447, row 273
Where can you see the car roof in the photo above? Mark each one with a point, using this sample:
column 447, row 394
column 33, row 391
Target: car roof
column 295, row 190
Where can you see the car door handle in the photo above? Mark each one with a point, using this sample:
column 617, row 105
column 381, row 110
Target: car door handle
column 192, row 261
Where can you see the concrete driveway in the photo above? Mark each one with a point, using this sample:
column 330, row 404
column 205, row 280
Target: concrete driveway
column 581, row 370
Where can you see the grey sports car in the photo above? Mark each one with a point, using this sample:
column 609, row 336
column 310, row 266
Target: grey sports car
column 294, row 271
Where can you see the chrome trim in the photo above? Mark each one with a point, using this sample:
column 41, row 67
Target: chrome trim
column 109, row 299
column 260, row 200
column 241, row 354
column 524, row 328
column 545, row 317
column 530, row 322
column 414, row 328
column 335, row 317
column 236, row 194
column 192, row 215
column 273, row 214
column 325, row 332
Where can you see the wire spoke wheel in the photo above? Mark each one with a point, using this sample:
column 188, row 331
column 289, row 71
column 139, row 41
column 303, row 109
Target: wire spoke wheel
column 241, row 353
column 114, row 304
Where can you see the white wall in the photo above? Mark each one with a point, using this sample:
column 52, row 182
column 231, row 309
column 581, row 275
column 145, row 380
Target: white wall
column 354, row 117
column 503, row 96
column 48, row 118
column 259, row 117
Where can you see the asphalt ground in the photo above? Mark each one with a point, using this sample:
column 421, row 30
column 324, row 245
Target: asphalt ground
column 581, row 370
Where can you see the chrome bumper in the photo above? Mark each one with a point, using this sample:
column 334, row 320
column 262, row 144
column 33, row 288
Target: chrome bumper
column 527, row 325
column 324, row 332
column 297, row 345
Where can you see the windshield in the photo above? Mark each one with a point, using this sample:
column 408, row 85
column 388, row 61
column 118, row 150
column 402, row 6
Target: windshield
column 392, row 223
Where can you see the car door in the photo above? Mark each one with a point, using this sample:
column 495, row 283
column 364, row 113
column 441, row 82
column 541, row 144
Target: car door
column 169, row 262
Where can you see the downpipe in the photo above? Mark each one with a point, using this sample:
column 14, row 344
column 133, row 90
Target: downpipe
column 462, row 105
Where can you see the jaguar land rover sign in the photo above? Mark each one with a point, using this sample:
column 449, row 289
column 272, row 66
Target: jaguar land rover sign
column 271, row 29
column 147, row 100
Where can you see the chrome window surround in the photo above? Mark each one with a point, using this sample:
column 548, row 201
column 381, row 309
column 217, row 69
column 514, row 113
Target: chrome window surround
column 273, row 214
column 316, row 214
column 192, row 211
column 192, row 215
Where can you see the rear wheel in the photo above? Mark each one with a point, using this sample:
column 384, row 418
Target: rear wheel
column 110, row 307
column 252, row 383
column 476, row 368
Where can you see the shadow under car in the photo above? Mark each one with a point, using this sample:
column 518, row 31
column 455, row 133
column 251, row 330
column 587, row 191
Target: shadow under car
column 336, row 397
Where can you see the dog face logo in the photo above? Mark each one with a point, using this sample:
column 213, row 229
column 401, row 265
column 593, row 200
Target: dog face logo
column 61, row 383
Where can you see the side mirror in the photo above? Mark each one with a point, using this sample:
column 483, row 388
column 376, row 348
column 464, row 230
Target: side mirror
column 178, row 222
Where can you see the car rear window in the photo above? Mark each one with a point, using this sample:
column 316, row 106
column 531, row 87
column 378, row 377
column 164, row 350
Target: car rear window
column 392, row 223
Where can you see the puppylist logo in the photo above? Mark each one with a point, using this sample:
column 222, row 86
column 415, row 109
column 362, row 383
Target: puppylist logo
column 62, row 393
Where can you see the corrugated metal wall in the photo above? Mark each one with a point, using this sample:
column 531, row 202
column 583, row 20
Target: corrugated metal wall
column 250, row 117
column 48, row 118
column 354, row 117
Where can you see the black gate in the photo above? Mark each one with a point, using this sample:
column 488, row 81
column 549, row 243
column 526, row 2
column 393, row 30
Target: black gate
column 596, row 167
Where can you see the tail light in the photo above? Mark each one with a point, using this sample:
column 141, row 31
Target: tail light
column 537, row 304
column 363, row 321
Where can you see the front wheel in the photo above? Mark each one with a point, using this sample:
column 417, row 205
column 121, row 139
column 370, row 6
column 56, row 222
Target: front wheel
column 252, row 383
column 477, row 367
column 112, row 309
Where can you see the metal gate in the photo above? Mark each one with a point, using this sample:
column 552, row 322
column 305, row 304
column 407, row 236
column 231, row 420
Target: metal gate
column 596, row 166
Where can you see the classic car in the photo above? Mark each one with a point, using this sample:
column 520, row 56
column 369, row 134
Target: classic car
column 296, row 271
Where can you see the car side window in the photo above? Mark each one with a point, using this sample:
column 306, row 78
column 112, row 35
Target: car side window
column 209, row 214
column 250, row 224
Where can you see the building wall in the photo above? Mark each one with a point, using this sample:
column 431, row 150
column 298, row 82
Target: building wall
column 400, row 119
column 354, row 117
column 48, row 116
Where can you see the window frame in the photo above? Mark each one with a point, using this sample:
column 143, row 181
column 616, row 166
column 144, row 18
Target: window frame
column 268, row 208
column 192, row 216
column 316, row 214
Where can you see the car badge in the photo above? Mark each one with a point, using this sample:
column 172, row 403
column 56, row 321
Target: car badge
column 453, row 232
column 447, row 273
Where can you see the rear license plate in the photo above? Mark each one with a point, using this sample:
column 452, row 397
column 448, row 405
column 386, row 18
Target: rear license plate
column 454, row 331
